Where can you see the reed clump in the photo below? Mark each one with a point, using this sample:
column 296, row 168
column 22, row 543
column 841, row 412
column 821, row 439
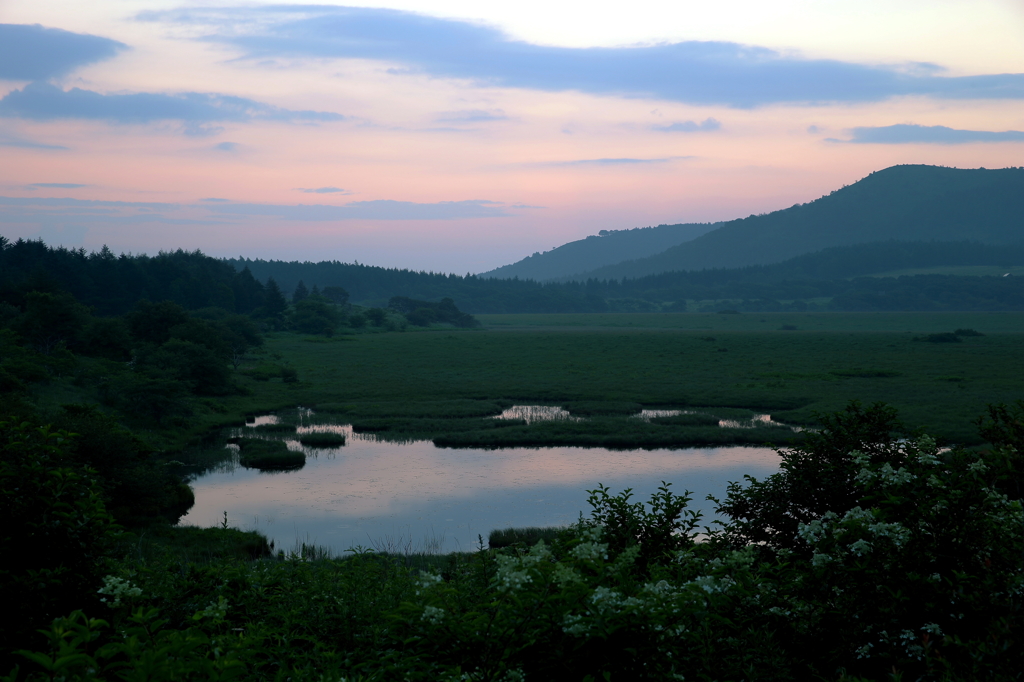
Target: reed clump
column 322, row 439
column 268, row 455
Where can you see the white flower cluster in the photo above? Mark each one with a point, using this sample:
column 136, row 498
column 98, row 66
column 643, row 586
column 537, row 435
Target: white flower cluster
column 603, row 602
column 432, row 615
column 591, row 548
column 662, row 588
column 861, row 547
column 819, row 560
column 978, row 466
column 116, row 588
column 856, row 519
column 607, row 600
column 889, row 476
column 815, row 530
column 927, row 451
column 894, row 531
column 514, row 571
column 427, row 580
column 712, row 583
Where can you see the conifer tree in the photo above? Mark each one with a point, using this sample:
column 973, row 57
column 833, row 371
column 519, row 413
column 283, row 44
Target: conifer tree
column 275, row 301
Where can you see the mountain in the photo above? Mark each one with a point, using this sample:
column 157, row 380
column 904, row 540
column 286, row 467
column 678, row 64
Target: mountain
column 903, row 203
column 606, row 248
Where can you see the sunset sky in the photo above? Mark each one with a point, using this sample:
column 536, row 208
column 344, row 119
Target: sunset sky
column 458, row 136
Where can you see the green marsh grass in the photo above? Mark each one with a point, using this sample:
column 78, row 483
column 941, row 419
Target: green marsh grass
column 268, row 455
column 654, row 360
column 322, row 439
column 527, row 537
column 590, row 408
column 432, row 409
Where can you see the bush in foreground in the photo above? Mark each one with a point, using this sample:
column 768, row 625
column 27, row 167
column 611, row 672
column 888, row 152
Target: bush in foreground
column 871, row 555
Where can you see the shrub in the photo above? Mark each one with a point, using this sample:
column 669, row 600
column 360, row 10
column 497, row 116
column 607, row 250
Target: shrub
column 942, row 337
column 56, row 530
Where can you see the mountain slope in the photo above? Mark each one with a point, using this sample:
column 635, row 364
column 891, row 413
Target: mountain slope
column 607, row 248
column 905, row 203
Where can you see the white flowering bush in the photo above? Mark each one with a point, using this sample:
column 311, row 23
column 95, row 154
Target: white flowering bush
column 872, row 555
column 871, row 552
column 115, row 589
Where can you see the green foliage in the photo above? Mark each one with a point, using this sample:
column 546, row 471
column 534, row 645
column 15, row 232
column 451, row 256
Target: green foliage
column 107, row 337
column 147, row 399
column 656, row 534
column 196, row 366
column 50, row 320
column 112, row 285
column 910, row 570
column 56, row 529
column 137, row 487
column 425, row 313
column 336, row 295
column 141, row 648
column 814, row 479
column 314, row 315
column 152, row 322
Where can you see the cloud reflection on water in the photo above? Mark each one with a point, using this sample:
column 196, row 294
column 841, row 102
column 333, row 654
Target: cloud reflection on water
column 369, row 489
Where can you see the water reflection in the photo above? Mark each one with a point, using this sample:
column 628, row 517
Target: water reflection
column 648, row 415
column 538, row 413
column 370, row 491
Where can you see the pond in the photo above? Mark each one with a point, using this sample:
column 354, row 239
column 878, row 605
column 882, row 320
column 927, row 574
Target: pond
column 414, row 496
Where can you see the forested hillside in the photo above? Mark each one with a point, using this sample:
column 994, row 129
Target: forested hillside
column 606, row 248
column 831, row 279
column 905, row 203
column 810, row 279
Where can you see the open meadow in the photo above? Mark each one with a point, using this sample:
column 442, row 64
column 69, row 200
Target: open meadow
column 755, row 362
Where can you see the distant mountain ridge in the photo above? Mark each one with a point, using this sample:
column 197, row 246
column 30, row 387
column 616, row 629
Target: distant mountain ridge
column 903, row 203
column 606, row 248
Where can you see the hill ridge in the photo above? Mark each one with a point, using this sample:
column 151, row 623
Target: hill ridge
column 909, row 202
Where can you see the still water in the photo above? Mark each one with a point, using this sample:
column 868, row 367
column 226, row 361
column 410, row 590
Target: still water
column 414, row 496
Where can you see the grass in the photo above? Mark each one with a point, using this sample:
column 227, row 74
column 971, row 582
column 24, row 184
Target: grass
column 527, row 537
column 590, row 408
column 432, row 382
column 268, row 455
column 322, row 439
column 189, row 544
column 765, row 322
column 432, row 409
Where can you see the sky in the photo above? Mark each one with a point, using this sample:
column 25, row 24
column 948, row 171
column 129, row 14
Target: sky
column 456, row 136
